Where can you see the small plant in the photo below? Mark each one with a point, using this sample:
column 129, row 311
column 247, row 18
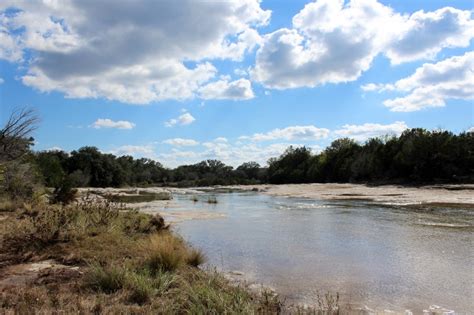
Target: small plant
column 64, row 193
column 195, row 257
column 165, row 253
column 328, row 303
column 140, row 287
column 107, row 280
column 98, row 213
column 211, row 199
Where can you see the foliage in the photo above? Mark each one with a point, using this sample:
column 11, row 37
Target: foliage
column 417, row 156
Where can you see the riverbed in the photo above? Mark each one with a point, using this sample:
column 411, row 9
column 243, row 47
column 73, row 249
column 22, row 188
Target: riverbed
column 392, row 256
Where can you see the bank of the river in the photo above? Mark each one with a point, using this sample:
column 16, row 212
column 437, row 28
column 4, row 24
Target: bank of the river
column 98, row 257
column 386, row 194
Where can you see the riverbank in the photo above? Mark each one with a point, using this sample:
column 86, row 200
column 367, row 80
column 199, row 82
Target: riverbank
column 386, row 195
column 98, row 257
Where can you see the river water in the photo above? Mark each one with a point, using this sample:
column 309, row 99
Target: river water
column 374, row 256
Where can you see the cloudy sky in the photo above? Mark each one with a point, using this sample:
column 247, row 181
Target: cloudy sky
column 183, row 81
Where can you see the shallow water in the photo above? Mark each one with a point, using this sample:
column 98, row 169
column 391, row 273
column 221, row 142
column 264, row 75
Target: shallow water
column 374, row 256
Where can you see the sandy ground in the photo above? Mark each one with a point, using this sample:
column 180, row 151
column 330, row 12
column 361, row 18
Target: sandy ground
column 396, row 195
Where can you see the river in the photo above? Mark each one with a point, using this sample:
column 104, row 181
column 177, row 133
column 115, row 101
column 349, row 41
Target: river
column 383, row 258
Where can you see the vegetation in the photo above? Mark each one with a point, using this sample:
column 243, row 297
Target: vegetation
column 417, row 156
column 100, row 256
column 123, row 268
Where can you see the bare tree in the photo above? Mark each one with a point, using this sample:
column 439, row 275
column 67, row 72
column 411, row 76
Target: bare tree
column 15, row 136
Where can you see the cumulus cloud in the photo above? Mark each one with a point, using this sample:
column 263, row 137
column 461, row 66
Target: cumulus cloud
column 135, row 151
column 124, row 51
column 108, row 123
column 221, row 139
column 329, row 43
column 234, row 155
column 470, row 129
column 293, row 133
column 179, row 142
column 184, row 119
column 223, row 89
column 432, row 84
column 333, row 41
column 424, row 34
column 371, row 130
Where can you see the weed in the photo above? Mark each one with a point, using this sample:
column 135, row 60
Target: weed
column 195, row 257
column 211, row 199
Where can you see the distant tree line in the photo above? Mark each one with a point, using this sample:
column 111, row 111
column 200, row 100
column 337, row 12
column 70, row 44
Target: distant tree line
column 89, row 167
column 416, row 156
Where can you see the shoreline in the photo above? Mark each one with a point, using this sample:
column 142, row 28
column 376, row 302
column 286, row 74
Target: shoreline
column 390, row 195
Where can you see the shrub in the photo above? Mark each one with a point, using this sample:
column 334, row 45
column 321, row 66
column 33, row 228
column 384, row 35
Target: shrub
column 64, row 193
column 135, row 222
column 98, row 213
column 211, row 199
column 195, row 257
column 166, row 253
column 105, row 279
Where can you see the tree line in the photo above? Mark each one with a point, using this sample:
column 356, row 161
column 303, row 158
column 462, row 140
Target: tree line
column 416, row 156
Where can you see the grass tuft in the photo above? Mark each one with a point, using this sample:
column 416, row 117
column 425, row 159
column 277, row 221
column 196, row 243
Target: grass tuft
column 166, row 253
column 105, row 279
column 195, row 257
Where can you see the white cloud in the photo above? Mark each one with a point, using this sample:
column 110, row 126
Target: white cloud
column 184, row 119
column 108, row 123
column 241, row 72
column 470, row 129
column 334, row 41
column 424, row 34
column 434, row 83
column 181, row 142
column 2, row 81
column 330, row 42
column 234, row 155
column 223, row 89
column 124, row 51
column 370, row 130
column 135, row 151
column 379, row 87
column 221, row 139
column 294, row 133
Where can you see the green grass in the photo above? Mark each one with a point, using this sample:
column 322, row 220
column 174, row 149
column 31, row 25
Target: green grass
column 105, row 279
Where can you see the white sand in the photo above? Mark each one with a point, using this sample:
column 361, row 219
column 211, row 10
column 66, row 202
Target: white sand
column 389, row 194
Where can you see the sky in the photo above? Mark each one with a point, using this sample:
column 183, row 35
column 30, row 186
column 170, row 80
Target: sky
column 185, row 81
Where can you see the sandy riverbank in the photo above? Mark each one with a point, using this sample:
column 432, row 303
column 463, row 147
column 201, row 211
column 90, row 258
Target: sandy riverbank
column 389, row 194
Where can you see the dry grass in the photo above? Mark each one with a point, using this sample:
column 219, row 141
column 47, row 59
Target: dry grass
column 129, row 263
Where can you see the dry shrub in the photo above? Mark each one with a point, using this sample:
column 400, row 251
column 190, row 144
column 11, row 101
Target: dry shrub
column 195, row 257
column 165, row 253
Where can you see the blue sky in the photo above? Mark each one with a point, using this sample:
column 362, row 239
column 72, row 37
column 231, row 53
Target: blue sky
column 180, row 82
